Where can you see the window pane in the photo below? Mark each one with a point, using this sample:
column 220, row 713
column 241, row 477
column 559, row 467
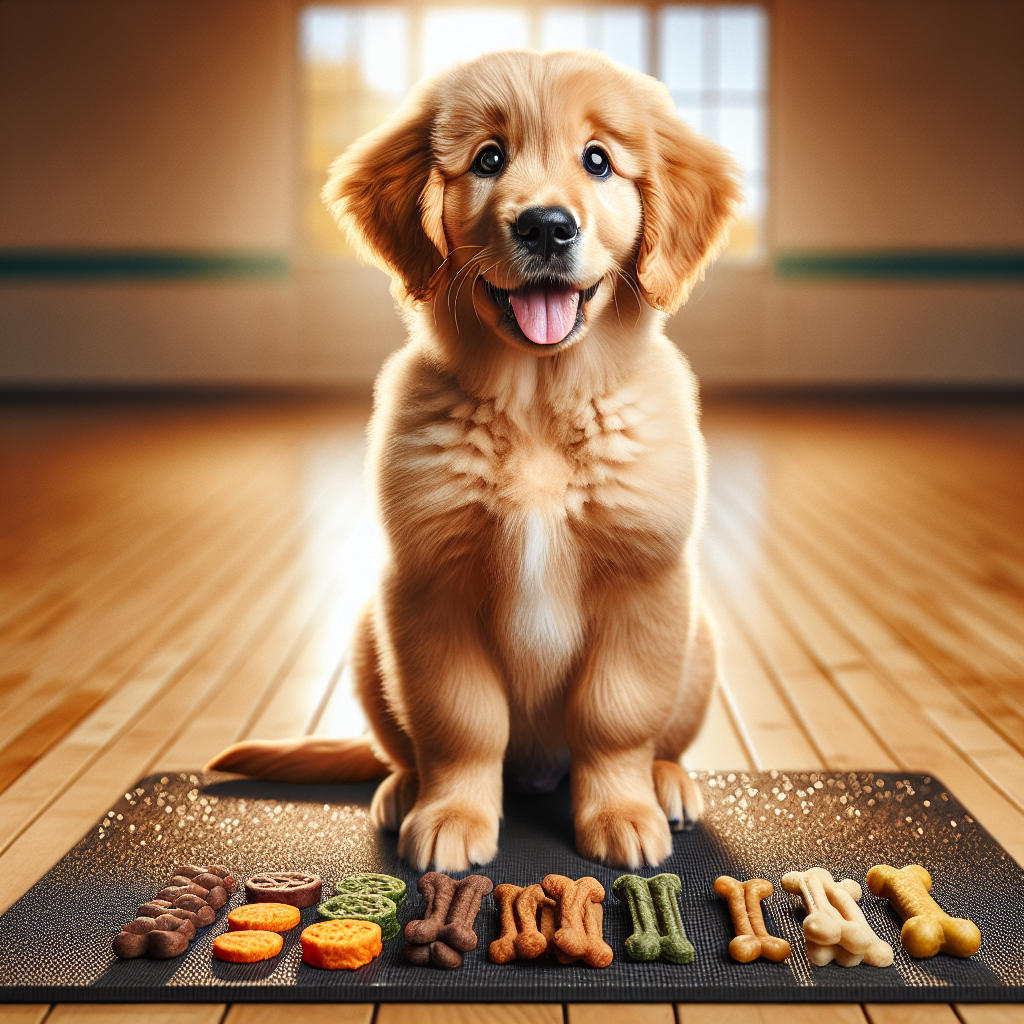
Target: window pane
column 464, row 33
column 741, row 130
column 741, row 38
column 623, row 36
column 385, row 56
column 566, row 28
column 680, row 55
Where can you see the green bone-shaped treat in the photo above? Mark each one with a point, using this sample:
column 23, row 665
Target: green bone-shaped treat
column 362, row 906
column 676, row 948
column 381, row 885
column 657, row 927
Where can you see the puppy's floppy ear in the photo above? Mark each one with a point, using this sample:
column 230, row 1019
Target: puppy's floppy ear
column 690, row 191
column 388, row 196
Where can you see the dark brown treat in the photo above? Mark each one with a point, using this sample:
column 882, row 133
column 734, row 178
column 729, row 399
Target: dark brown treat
column 219, row 870
column 230, row 884
column 190, row 902
column 154, row 908
column 438, row 890
column 442, row 955
column 170, row 923
column 204, row 917
column 172, row 892
column 189, row 870
column 296, row 888
column 207, row 880
column 129, row 945
column 179, row 880
column 185, row 915
column 216, row 897
column 141, row 925
column 164, row 945
column 417, row 953
column 458, row 929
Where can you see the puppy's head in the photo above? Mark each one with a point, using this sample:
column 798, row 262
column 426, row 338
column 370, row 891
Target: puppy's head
column 540, row 187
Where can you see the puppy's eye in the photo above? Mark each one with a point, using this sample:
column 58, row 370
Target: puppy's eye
column 489, row 162
column 595, row 159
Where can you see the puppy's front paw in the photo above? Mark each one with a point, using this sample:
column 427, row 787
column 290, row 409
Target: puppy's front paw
column 393, row 800
column 678, row 795
column 624, row 835
column 447, row 835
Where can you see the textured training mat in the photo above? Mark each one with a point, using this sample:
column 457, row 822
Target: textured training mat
column 55, row 941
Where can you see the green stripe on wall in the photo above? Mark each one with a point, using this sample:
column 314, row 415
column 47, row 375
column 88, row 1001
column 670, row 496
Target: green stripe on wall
column 905, row 264
column 140, row 264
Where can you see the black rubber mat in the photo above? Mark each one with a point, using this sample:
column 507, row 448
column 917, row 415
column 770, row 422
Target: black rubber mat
column 55, row 941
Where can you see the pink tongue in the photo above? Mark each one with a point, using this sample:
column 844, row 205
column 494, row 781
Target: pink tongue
column 545, row 316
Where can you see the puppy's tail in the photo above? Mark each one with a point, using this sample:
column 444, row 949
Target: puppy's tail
column 307, row 759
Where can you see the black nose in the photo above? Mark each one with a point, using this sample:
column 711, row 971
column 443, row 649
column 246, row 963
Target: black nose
column 545, row 230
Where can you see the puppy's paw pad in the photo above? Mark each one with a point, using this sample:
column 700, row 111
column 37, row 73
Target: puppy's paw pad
column 393, row 800
column 447, row 836
column 627, row 836
column 678, row 795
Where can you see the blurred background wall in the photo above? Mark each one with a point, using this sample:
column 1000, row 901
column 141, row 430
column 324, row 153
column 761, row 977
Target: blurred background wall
column 153, row 193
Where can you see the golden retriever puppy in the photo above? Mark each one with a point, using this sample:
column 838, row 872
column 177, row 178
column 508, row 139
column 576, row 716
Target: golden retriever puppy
column 536, row 459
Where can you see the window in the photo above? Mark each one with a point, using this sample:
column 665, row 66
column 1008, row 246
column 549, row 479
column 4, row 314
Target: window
column 358, row 63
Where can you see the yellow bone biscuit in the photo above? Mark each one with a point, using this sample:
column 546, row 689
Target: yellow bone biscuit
column 752, row 939
column 927, row 928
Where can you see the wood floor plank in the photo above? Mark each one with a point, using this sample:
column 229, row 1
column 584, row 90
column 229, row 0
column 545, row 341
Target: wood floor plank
column 469, row 1013
column 990, row 1013
column 300, row 1013
column 131, row 1013
column 620, row 1013
column 770, row 1013
column 24, row 1013
column 718, row 746
column 910, row 1013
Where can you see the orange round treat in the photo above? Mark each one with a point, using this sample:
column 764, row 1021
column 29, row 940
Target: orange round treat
column 341, row 945
column 263, row 917
column 247, row 947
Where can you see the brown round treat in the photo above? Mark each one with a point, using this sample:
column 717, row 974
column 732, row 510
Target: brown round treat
column 154, row 908
column 179, row 880
column 229, row 883
column 208, row 880
column 295, row 888
column 164, row 945
column 218, row 869
column 216, row 897
column 129, row 945
column 190, row 902
column 185, row 915
column 141, row 925
column 172, row 892
column 189, row 870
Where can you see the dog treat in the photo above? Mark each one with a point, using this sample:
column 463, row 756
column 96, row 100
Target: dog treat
column 264, row 917
column 165, row 925
column 247, row 947
column 530, row 942
column 362, row 906
column 438, row 890
column 580, row 919
column 379, row 885
column 658, row 932
column 752, row 939
column 458, row 927
column 927, row 928
column 341, row 945
column 835, row 928
column 295, row 888
column 503, row 949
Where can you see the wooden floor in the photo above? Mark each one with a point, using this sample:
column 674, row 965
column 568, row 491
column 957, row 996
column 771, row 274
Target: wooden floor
column 864, row 563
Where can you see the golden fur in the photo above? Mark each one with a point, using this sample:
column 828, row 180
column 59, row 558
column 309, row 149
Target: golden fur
column 542, row 505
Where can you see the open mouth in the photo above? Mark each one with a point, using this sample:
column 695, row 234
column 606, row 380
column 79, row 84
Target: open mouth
column 546, row 311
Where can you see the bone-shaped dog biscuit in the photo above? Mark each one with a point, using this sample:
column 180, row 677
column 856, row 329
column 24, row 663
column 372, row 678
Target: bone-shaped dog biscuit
column 530, row 942
column 503, row 949
column 752, row 939
column 658, row 932
column 835, row 928
column 927, row 928
column 580, row 919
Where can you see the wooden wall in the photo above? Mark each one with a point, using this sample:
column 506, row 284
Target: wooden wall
column 172, row 126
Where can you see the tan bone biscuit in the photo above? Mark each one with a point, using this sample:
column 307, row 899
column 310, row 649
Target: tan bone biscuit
column 530, row 942
column 835, row 928
column 752, row 938
column 927, row 928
